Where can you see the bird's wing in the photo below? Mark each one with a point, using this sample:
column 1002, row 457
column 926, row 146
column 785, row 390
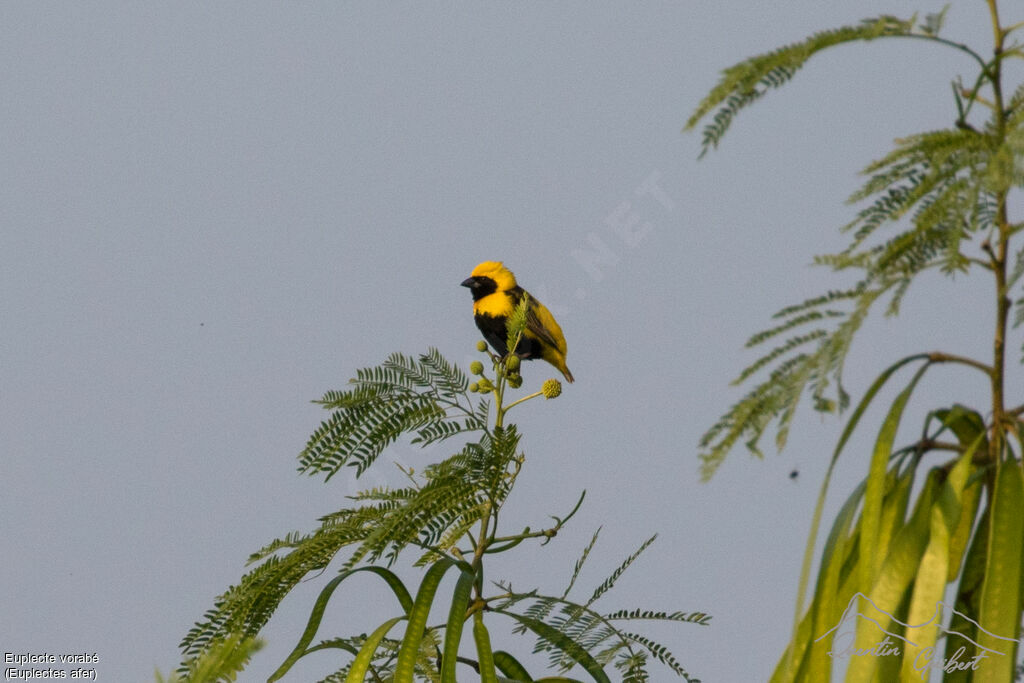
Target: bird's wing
column 542, row 325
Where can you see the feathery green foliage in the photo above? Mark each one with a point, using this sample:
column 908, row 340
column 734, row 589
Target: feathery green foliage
column 221, row 661
column 427, row 396
column 939, row 192
column 938, row 200
column 745, row 83
column 579, row 624
column 448, row 514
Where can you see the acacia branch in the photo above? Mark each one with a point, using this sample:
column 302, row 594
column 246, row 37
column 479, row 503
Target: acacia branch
column 546, row 534
column 941, row 357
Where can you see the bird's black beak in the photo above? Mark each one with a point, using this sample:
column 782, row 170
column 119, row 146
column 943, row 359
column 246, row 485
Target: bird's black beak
column 469, row 282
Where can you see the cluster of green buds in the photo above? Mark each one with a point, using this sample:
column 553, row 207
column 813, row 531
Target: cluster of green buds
column 515, row 380
column 508, row 369
column 482, row 385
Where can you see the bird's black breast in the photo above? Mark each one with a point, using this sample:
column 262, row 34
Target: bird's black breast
column 495, row 331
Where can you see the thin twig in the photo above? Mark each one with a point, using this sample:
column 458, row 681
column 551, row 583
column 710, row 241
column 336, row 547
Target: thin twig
column 941, row 357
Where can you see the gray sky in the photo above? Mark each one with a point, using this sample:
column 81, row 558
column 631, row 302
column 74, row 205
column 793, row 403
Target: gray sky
column 211, row 213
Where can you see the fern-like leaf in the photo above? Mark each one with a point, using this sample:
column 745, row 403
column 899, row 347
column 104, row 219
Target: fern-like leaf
column 938, row 183
column 597, row 634
column 743, row 84
column 610, row 581
column 425, row 397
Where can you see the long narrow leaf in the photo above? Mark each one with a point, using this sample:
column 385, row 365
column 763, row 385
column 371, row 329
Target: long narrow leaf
column 812, row 536
column 925, row 613
column 321, row 604
column 484, row 655
column 823, row 607
column 453, row 629
column 510, row 666
column 361, row 664
column 999, row 619
column 563, row 642
column 895, row 577
column 795, row 655
column 871, row 555
column 960, row 645
column 894, row 508
column 962, row 533
column 405, row 666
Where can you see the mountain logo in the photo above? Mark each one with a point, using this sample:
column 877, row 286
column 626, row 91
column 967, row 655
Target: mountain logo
column 893, row 644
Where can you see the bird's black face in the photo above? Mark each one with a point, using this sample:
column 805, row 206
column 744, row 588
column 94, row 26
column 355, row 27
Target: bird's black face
column 480, row 286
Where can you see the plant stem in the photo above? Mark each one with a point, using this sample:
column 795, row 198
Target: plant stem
column 940, row 357
column 993, row 11
column 524, row 398
column 998, row 255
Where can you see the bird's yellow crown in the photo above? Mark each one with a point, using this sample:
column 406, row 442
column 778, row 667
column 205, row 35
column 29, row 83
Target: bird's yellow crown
column 495, row 270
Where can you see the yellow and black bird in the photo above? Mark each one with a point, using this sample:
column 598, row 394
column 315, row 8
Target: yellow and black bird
column 495, row 297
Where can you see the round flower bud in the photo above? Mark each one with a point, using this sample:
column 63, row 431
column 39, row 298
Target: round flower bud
column 515, row 381
column 476, row 368
column 474, row 387
column 481, row 346
column 551, row 388
column 512, row 364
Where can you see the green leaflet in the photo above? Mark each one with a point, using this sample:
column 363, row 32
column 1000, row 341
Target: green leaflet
column 407, row 653
column 969, row 428
column 362, row 661
column 925, row 613
column 824, row 607
column 509, row 666
column 968, row 600
column 999, row 618
column 483, row 650
column 794, row 656
column 962, row 533
column 894, row 509
column 871, row 554
column 847, row 587
column 456, row 620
